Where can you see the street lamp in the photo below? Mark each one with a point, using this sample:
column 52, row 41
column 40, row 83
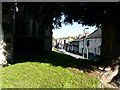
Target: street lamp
column 83, row 41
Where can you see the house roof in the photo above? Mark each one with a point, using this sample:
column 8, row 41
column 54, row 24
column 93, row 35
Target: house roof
column 95, row 34
column 79, row 39
column 76, row 40
column 82, row 37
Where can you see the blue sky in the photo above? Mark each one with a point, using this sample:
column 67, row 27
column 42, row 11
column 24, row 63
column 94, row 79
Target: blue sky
column 71, row 30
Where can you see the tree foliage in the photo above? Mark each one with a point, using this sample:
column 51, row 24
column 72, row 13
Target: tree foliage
column 88, row 13
column 85, row 13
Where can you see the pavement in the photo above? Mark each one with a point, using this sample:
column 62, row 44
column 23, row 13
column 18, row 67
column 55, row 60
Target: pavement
column 77, row 56
column 71, row 54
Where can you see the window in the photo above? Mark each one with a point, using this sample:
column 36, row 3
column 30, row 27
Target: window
column 88, row 43
column 95, row 40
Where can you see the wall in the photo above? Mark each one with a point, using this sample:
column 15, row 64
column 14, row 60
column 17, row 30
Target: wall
column 93, row 46
column 80, row 46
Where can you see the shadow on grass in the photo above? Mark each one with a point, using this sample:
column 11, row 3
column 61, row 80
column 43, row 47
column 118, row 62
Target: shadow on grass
column 56, row 59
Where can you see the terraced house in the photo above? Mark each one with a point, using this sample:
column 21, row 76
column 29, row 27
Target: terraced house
column 90, row 43
column 94, row 40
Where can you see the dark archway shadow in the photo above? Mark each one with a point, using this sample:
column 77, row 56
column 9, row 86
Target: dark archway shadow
column 56, row 59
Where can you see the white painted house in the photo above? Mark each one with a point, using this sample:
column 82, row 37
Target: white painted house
column 88, row 44
column 94, row 40
column 77, row 44
column 62, row 43
column 83, row 43
column 92, row 43
column 74, row 45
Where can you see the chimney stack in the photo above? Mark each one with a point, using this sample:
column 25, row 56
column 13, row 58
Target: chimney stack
column 87, row 33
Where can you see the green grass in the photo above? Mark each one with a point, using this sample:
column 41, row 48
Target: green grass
column 52, row 73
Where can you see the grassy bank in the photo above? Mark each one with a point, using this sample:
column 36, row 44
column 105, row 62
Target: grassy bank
column 53, row 71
